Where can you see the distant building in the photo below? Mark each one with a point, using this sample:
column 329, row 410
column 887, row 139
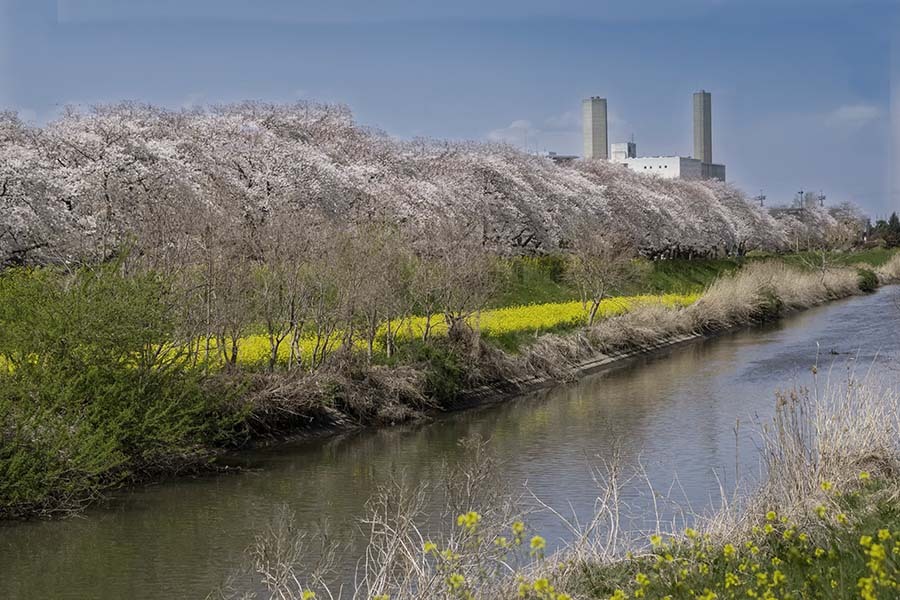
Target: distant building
column 593, row 115
column 667, row 167
column 703, row 126
column 623, row 150
column 700, row 166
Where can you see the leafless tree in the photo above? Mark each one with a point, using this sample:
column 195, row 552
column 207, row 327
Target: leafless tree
column 601, row 264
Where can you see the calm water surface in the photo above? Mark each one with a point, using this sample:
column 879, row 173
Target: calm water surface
column 673, row 412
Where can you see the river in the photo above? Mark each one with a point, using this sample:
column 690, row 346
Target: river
column 674, row 412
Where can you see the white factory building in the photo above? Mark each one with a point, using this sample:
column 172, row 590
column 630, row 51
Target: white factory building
column 700, row 166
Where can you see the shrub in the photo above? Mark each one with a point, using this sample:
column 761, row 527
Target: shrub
column 95, row 389
column 868, row 280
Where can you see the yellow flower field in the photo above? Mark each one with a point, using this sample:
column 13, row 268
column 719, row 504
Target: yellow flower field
column 533, row 318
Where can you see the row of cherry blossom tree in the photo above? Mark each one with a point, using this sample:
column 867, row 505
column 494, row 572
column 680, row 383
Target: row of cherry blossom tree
column 169, row 181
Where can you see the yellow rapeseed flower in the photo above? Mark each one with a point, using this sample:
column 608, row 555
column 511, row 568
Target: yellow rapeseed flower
column 468, row 520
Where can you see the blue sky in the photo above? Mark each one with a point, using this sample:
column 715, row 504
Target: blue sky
column 801, row 90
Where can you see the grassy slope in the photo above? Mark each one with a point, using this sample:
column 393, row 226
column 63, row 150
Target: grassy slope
column 536, row 299
column 541, row 280
column 849, row 550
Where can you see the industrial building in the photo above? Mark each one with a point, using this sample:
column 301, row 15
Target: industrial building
column 593, row 114
column 699, row 166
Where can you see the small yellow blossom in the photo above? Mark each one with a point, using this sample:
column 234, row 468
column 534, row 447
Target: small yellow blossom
column 468, row 520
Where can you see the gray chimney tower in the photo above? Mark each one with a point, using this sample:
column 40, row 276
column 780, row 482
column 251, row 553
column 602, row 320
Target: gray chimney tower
column 703, row 126
column 593, row 114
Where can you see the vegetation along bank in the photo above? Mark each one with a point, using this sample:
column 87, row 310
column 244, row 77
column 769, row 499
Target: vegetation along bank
column 824, row 524
column 112, row 375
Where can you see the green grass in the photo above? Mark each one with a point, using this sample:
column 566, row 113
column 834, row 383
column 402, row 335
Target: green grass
column 534, row 280
column 541, row 280
column 687, row 276
column 874, row 257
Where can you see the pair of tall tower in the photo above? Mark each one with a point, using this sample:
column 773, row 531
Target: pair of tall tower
column 595, row 124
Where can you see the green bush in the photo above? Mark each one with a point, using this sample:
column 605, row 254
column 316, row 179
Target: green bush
column 94, row 389
column 868, row 280
column 445, row 371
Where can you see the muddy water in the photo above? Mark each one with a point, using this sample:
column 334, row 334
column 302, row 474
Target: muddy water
column 673, row 412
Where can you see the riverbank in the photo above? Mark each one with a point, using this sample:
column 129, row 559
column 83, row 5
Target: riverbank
column 448, row 373
column 670, row 413
column 470, row 371
column 823, row 524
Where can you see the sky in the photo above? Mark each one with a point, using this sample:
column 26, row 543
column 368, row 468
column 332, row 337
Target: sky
column 804, row 92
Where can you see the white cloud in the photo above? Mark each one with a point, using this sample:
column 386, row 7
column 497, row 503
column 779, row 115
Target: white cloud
column 854, row 115
column 516, row 133
column 560, row 132
column 569, row 120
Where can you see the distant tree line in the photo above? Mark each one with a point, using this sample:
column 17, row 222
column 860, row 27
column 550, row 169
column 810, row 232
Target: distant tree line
column 887, row 231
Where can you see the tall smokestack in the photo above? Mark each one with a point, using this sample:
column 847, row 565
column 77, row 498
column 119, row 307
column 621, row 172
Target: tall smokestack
column 703, row 126
column 593, row 114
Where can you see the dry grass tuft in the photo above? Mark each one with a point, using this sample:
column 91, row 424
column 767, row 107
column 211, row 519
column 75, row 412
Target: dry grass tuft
column 758, row 292
column 826, row 439
column 889, row 272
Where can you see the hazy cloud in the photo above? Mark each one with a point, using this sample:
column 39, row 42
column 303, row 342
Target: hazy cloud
column 516, row 133
column 854, row 115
